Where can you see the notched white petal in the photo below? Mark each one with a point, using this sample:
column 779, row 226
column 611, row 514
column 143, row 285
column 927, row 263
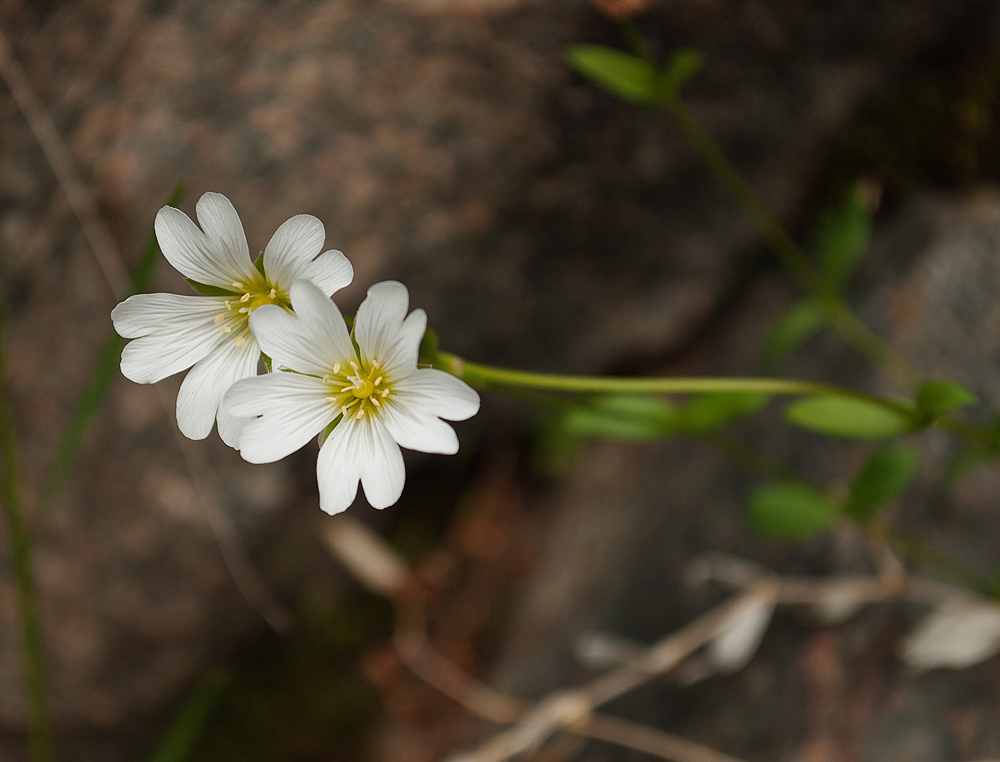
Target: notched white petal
column 225, row 236
column 380, row 317
column 439, row 393
column 330, row 271
column 202, row 389
column 292, row 248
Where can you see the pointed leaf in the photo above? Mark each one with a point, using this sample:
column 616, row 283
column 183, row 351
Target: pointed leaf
column 205, row 290
column 842, row 236
column 619, row 416
column 707, row 412
column 800, row 323
column 847, row 417
column 935, row 398
column 627, row 76
column 685, row 63
column 789, row 511
column 884, row 477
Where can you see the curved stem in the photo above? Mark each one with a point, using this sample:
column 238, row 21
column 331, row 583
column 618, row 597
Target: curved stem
column 488, row 376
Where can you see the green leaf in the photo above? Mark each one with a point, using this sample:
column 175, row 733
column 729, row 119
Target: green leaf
column 935, row 398
column 629, row 77
column 842, row 235
column 267, row 362
column 800, row 323
column 555, row 451
column 104, row 370
column 619, row 416
column 848, row 417
column 328, row 430
column 205, row 290
column 686, row 62
column 259, row 264
column 180, row 738
column 883, row 478
column 429, row 346
column 707, row 412
column 788, row 511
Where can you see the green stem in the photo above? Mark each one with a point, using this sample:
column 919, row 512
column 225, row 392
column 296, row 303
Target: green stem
column 39, row 733
column 837, row 313
column 487, row 376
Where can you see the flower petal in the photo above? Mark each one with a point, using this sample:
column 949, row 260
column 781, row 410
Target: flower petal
column 201, row 392
column 331, row 271
column 292, row 407
column 312, row 341
column 190, row 252
column 359, row 449
column 437, row 393
column 418, row 431
column 380, row 319
column 146, row 314
column 292, row 248
column 170, row 339
column 225, row 236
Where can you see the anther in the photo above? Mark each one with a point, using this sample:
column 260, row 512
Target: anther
column 378, row 380
column 229, row 306
column 377, row 403
column 361, row 414
column 348, row 388
column 224, row 328
column 355, row 366
column 375, row 365
column 237, row 284
column 274, row 292
column 336, row 367
column 329, row 399
column 240, row 341
column 245, row 297
column 244, row 310
column 220, row 317
column 326, row 379
column 385, row 393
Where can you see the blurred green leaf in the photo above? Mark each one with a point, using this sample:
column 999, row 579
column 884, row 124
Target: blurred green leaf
column 800, row 323
column 206, row 290
column 555, row 451
column 707, row 412
column 104, row 370
column 179, row 741
column 883, row 478
column 685, row 63
column 623, row 74
column 935, row 398
column 842, row 236
column 788, row 511
column 621, row 416
column 847, row 417
column 429, row 346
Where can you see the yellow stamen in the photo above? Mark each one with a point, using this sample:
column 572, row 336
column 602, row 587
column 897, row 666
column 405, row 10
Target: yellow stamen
column 376, row 402
column 237, row 284
column 361, row 414
column 229, row 306
column 274, row 292
column 245, row 297
column 220, row 317
column 244, row 310
column 385, row 393
column 329, row 399
column 224, row 328
column 240, row 341
column 336, row 367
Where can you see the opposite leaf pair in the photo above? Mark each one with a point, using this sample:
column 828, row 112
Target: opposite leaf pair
column 364, row 388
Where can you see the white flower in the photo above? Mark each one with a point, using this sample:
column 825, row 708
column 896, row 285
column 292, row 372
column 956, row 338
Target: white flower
column 211, row 333
column 376, row 394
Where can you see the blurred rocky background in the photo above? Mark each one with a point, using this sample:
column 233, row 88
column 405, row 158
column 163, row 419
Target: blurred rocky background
column 541, row 224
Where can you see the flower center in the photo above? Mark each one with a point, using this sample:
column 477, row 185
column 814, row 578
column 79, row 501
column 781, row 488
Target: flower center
column 356, row 390
column 235, row 319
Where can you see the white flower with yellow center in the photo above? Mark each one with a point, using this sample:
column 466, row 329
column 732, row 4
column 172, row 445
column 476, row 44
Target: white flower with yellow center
column 370, row 388
column 172, row 332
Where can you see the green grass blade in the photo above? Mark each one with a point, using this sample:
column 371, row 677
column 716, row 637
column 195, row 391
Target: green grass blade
column 39, row 733
column 180, row 738
column 107, row 363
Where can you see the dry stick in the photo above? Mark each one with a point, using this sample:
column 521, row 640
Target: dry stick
column 248, row 581
column 563, row 710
